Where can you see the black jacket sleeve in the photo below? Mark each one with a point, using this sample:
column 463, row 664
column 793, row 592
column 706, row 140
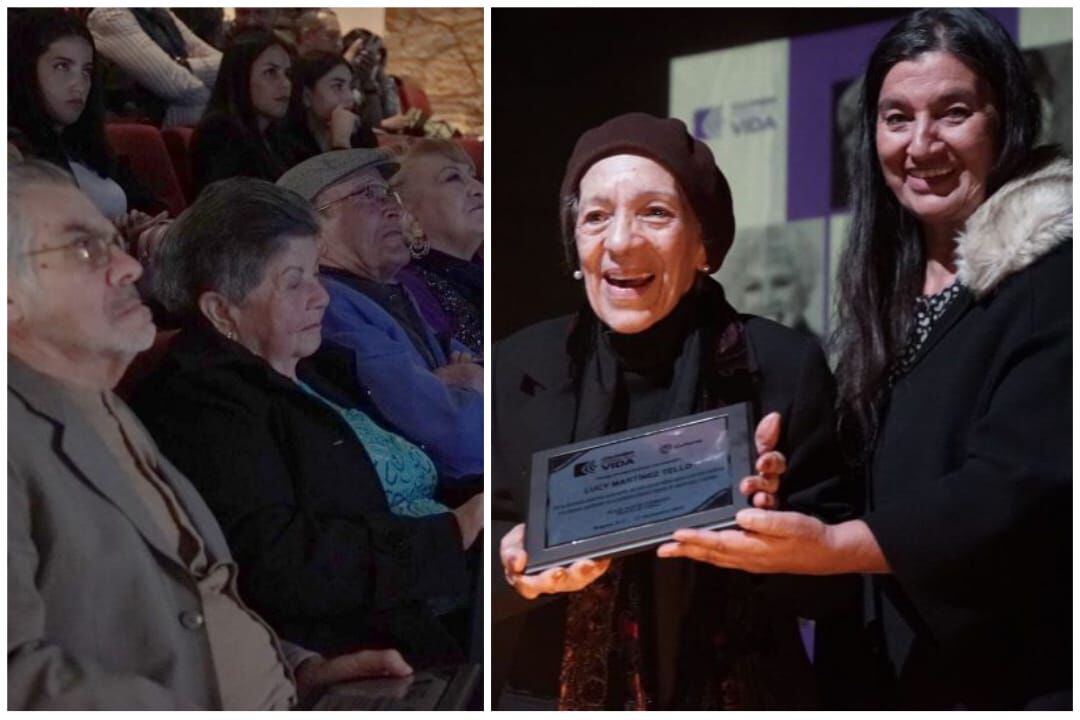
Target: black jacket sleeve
column 981, row 536
column 816, row 482
column 221, row 148
column 300, row 556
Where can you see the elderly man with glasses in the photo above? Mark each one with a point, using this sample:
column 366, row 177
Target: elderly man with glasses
column 429, row 389
column 121, row 589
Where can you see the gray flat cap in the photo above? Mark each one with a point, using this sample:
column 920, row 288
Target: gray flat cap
column 314, row 175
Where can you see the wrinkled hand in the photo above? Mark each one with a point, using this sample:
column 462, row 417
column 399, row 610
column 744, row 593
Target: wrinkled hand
column 396, row 123
column 461, row 357
column 554, row 580
column 467, row 375
column 767, row 541
column 470, row 518
column 317, row 672
column 763, row 487
column 343, row 123
column 132, row 224
column 364, row 60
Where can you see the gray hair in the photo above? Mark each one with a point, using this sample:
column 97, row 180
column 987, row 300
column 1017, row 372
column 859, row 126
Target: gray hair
column 426, row 147
column 224, row 241
column 22, row 175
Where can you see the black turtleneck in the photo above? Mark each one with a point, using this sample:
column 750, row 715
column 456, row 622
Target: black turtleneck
column 656, row 370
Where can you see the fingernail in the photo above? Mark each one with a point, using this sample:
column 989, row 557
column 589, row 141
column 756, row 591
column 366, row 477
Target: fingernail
column 559, row 574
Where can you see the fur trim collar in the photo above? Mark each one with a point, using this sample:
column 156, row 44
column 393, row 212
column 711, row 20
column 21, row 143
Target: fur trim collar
column 1025, row 219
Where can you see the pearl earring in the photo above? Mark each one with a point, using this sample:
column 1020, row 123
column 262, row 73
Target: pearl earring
column 230, row 335
column 578, row 274
column 706, row 269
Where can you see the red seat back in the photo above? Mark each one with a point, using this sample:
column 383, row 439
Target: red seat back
column 412, row 95
column 178, row 143
column 474, row 148
column 141, row 149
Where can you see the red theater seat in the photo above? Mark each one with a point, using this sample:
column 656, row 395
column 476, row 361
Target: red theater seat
column 178, row 142
column 141, row 149
column 412, row 95
column 474, row 148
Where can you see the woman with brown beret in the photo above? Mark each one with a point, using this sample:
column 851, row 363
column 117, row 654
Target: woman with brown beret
column 647, row 217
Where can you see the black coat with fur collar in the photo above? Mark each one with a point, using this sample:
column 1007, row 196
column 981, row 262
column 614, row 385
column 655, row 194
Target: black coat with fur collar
column 970, row 481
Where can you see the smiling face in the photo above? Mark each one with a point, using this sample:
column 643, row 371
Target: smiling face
column 363, row 234
column 64, row 73
column 332, row 90
column 448, row 201
column 270, row 83
column 280, row 320
column 638, row 242
column 86, row 312
column 936, row 138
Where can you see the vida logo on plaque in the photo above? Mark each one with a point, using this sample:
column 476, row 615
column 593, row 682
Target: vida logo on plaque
column 629, row 491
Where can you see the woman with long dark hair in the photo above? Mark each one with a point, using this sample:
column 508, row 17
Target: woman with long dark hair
column 56, row 110
column 955, row 353
column 240, row 132
column 323, row 113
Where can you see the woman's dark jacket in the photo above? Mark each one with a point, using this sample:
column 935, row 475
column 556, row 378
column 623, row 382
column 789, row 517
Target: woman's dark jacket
column 222, row 147
column 457, row 287
column 296, row 143
column 536, row 404
column 970, row 481
column 321, row 556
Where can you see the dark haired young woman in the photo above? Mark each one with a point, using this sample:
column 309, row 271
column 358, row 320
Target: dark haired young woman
column 56, row 111
column 323, row 113
column 240, row 133
column 955, row 377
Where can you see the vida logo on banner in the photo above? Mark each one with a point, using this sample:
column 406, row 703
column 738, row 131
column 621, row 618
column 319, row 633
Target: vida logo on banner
column 736, row 101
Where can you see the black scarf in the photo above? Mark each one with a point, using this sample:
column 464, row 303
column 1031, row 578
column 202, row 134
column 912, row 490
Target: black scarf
column 694, row 359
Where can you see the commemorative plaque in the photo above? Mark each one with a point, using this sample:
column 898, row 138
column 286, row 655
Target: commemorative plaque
column 629, row 491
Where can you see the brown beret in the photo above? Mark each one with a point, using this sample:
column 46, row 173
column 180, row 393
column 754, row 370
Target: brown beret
column 690, row 161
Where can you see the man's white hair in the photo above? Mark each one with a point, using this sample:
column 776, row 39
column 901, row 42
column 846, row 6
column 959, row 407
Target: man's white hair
column 23, row 175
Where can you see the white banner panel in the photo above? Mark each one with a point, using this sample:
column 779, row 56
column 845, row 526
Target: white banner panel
column 736, row 100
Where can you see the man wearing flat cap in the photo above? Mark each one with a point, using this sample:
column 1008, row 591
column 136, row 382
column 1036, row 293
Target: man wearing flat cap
column 431, row 392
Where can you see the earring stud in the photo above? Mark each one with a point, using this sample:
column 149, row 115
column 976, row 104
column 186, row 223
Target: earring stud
column 578, row 274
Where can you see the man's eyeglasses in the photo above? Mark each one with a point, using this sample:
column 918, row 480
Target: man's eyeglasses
column 95, row 250
column 373, row 194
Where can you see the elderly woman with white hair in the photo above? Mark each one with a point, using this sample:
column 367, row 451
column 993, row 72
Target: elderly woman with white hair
column 335, row 519
column 439, row 188
column 647, row 217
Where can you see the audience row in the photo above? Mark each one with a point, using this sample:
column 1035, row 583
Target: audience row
column 307, row 435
